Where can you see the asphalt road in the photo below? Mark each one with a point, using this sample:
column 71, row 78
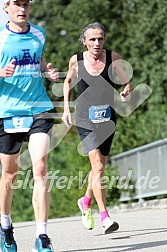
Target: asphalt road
column 140, row 231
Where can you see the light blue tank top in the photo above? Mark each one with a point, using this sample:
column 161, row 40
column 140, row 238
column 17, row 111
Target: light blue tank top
column 23, row 93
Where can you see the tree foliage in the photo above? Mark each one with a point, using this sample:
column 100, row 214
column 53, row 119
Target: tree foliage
column 136, row 29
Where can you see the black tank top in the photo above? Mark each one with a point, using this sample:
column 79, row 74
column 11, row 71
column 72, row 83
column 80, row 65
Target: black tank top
column 94, row 90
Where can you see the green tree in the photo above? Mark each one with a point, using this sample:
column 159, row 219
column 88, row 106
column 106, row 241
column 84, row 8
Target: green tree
column 136, row 29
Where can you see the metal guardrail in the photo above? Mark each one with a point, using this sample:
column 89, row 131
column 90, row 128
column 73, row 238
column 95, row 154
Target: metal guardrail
column 146, row 166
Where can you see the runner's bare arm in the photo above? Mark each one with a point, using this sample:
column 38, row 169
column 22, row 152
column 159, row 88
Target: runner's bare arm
column 69, row 80
column 118, row 68
column 43, row 64
column 67, row 90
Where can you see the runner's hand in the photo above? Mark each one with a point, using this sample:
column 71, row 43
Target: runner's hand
column 8, row 71
column 67, row 118
column 125, row 96
column 52, row 73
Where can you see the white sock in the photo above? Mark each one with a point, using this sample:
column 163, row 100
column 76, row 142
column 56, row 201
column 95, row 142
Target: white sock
column 6, row 221
column 41, row 228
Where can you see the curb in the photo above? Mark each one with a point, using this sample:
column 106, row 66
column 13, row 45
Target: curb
column 150, row 204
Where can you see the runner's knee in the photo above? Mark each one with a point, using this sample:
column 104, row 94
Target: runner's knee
column 8, row 179
column 97, row 167
column 40, row 170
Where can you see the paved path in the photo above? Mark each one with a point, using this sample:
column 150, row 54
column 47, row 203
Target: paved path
column 142, row 230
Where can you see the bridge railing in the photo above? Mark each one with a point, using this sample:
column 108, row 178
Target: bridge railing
column 146, row 166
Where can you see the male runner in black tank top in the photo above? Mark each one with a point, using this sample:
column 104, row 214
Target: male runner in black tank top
column 95, row 91
column 95, row 114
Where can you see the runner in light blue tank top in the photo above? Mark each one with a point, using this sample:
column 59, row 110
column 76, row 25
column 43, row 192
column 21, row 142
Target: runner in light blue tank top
column 24, row 92
column 24, row 116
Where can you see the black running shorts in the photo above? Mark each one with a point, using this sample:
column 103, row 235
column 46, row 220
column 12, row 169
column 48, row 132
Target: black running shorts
column 10, row 143
column 100, row 137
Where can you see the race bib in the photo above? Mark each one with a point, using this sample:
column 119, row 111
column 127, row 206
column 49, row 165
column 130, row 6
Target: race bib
column 18, row 124
column 101, row 113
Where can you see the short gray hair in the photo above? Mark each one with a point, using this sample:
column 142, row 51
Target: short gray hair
column 94, row 25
